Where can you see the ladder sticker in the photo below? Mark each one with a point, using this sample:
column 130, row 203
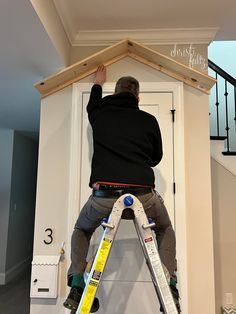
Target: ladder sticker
column 93, row 283
column 90, row 294
column 148, row 239
column 103, row 254
column 152, row 251
column 160, row 277
column 97, row 273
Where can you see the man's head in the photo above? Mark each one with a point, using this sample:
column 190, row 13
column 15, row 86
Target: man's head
column 127, row 84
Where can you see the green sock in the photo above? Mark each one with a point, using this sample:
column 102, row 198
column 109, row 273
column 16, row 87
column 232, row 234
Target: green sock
column 173, row 282
column 78, row 281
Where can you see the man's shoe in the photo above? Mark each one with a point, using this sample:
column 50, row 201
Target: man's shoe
column 175, row 294
column 74, row 297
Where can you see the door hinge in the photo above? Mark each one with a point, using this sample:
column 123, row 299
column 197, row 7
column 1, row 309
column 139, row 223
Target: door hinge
column 173, row 114
column 174, row 187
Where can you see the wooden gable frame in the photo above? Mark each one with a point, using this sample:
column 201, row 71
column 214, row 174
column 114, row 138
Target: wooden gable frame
column 118, row 51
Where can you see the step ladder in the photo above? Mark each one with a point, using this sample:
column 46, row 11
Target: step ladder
column 145, row 235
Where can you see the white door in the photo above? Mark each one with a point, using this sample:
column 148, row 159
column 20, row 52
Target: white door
column 126, row 285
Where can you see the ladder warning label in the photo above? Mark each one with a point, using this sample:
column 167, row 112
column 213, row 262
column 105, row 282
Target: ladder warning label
column 103, row 255
column 148, row 239
column 93, row 283
column 96, row 275
column 87, row 302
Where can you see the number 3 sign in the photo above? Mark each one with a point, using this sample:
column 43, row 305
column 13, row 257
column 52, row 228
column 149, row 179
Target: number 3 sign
column 49, row 230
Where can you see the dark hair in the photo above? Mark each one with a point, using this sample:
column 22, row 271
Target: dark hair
column 127, row 84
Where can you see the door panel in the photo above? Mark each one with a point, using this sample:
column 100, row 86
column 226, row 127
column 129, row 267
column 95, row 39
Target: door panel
column 160, row 106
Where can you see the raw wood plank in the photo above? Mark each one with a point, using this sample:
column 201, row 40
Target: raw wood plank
column 177, row 76
column 80, row 76
column 115, row 53
column 82, row 69
column 171, row 67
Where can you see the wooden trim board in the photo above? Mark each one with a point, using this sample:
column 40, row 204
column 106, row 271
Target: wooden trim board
column 117, row 52
column 170, row 67
column 81, row 69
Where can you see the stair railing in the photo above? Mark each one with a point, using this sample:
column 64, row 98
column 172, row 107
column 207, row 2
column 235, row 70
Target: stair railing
column 229, row 81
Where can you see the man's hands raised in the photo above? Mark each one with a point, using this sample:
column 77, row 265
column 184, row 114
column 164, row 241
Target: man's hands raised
column 100, row 76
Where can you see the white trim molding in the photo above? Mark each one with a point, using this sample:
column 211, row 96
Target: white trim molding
column 162, row 36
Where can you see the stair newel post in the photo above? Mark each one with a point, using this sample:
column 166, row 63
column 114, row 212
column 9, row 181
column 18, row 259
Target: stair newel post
column 226, row 116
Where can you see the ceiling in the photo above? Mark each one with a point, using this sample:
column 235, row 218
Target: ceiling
column 79, row 17
column 28, row 53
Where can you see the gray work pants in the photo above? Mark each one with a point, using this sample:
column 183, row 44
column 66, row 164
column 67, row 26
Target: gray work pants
column 98, row 208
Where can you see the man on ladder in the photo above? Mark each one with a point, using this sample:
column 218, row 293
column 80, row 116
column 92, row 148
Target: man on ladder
column 127, row 144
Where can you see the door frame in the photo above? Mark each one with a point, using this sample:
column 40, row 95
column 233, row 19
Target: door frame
column 176, row 88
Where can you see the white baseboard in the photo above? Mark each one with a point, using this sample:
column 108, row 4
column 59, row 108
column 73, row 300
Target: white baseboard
column 2, row 278
column 14, row 271
column 228, row 162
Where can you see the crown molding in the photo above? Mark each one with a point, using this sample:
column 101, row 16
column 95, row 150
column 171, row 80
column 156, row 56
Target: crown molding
column 163, row 36
column 67, row 27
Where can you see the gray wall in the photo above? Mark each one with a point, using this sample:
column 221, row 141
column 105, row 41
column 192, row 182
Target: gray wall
column 22, row 204
column 18, row 165
column 6, row 149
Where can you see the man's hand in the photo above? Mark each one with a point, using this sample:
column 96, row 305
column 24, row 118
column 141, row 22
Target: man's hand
column 100, row 76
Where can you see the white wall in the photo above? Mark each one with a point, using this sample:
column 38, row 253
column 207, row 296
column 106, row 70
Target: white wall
column 199, row 207
column 6, row 149
column 53, row 189
column 224, row 184
column 52, row 23
column 223, row 196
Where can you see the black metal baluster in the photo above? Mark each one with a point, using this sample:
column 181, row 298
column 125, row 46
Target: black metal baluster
column 217, row 108
column 235, row 108
column 220, row 73
column 226, row 116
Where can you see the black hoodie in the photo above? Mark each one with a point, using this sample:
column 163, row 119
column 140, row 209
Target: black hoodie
column 127, row 141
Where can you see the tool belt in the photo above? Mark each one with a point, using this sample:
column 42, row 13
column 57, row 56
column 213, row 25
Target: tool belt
column 122, row 190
